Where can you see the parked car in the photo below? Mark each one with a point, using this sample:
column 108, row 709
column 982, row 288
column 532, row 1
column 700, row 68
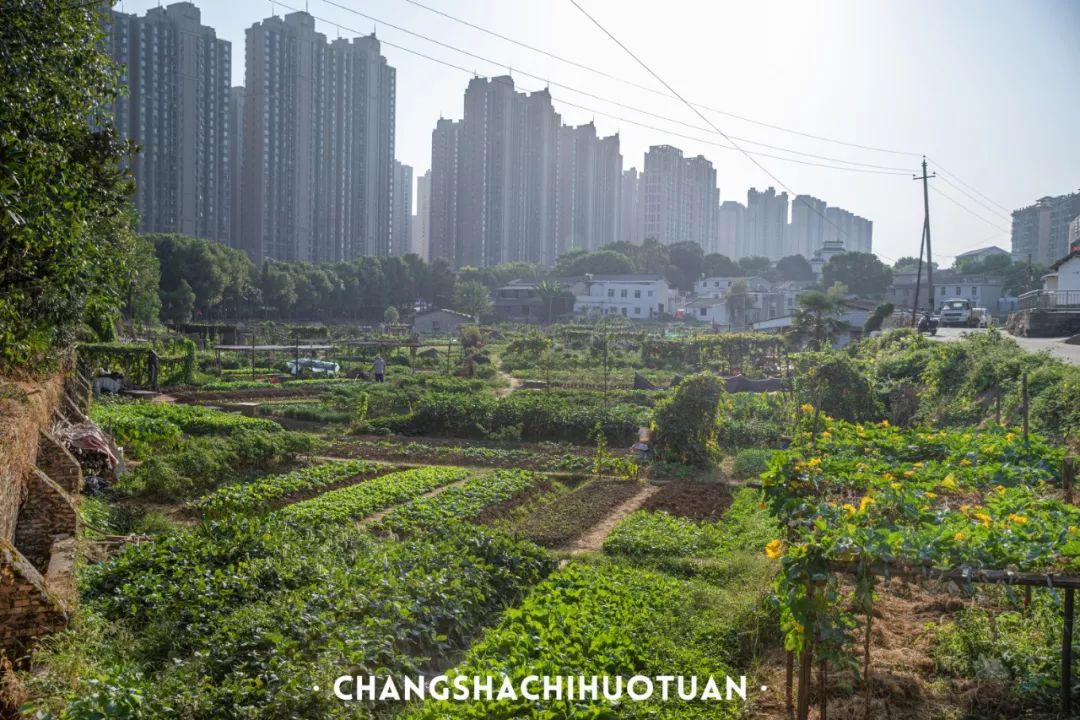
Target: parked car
column 957, row 312
column 312, row 366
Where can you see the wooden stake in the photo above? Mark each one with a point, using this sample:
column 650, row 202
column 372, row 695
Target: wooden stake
column 1025, row 406
column 823, row 681
column 866, row 663
column 790, row 700
column 806, row 669
column 1068, row 472
column 1066, row 655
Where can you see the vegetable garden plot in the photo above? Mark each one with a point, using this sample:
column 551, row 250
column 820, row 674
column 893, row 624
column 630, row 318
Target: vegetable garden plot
column 274, row 490
column 877, row 500
column 556, row 524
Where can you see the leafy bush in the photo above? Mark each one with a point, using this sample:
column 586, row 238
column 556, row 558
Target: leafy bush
column 751, row 462
column 685, row 424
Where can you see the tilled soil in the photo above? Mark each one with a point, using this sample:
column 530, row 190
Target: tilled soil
column 692, row 500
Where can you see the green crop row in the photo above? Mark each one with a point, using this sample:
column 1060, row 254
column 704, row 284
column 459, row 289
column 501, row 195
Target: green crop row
column 261, row 494
column 358, row 501
column 462, row 502
column 147, row 428
column 555, row 524
column 609, row 620
column 262, row 631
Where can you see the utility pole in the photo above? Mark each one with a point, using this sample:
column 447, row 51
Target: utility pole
column 918, row 276
column 926, row 231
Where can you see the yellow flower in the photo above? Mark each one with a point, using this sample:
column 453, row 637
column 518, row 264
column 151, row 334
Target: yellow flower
column 918, row 465
column 931, row 495
column 1010, row 436
column 1073, row 529
column 965, row 461
column 889, row 476
column 884, row 423
column 814, row 462
column 849, row 508
column 1018, row 519
column 774, row 549
column 960, row 537
column 825, row 434
column 983, row 518
column 866, row 502
column 909, row 473
column 1000, row 489
column 895, row 486
column 949, row 483
column 807, row 408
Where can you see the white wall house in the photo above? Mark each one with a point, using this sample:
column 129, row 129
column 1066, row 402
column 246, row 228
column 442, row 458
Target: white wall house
column 719, row 286
column 712, row 310
column 638, row 297
column 1066, row 273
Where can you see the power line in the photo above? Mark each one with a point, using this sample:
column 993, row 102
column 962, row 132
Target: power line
column 594, row 111
column 975, row 199
column 968, row 210
column 601, row 98
column 646, row 88
column 699, row 114
column 969, row 187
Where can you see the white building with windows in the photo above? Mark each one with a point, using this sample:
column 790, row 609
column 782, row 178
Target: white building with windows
column 638, row 297
column 719, row 286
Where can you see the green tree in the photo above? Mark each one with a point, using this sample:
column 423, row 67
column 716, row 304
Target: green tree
column 64, row 197
column 716, row 265
column 472, row 298
column 549, row 292
column 601, row 262
column 863, row 273
column 755, row 265
column 795, row 267
column 390, row 315
column 817, row 319
column 684, row 424
column 142, row 302
column 685, row 265
column 878, row 317
column 739, row 302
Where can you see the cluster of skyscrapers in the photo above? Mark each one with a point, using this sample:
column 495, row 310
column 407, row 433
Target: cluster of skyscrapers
column 298, row 164
column 509, row 182
column 1041, row 232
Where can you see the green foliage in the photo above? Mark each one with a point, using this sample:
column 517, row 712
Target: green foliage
column 862, row 273
column 64, row 197
column 462, row 502
column 836, row 384
column 556, row 524
column 472, row 298
column 1018, row 651
column 685, row 424
column 262, row 494
column 795, row 267
column 357, row 501
column 147, row 428
column 722, row 351
column 605, row 620
column 751, row 462
column 882, row 311
column 391, row 315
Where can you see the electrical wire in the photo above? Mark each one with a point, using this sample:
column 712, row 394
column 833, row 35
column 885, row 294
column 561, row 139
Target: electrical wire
column 968, row 210
column 601, row 98
column 646, row 88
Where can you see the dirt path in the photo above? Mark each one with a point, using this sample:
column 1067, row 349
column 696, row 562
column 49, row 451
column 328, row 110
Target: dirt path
column 512, row 383
column 594, row 537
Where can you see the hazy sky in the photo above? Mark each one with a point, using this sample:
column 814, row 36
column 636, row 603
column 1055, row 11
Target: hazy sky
column 989, row 88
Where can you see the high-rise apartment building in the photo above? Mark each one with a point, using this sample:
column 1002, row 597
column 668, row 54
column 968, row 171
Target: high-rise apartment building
column 401, row 234
column 494, row 178
column 807, row 231
column 852, row 232
column 236, row 163
column 766, row 224
column 1041, row 231
column 631, row 229
column 731, row 231
column 444, row 226
column 590, row 185
column 662, row 196
column 702, row 202
column 318, row 144
column 177, row 107
column 422, row 219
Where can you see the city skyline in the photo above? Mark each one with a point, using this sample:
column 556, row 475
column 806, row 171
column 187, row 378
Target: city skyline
column 851, row 106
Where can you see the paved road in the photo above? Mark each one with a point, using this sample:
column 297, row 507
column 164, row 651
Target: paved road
column 1056, row 346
